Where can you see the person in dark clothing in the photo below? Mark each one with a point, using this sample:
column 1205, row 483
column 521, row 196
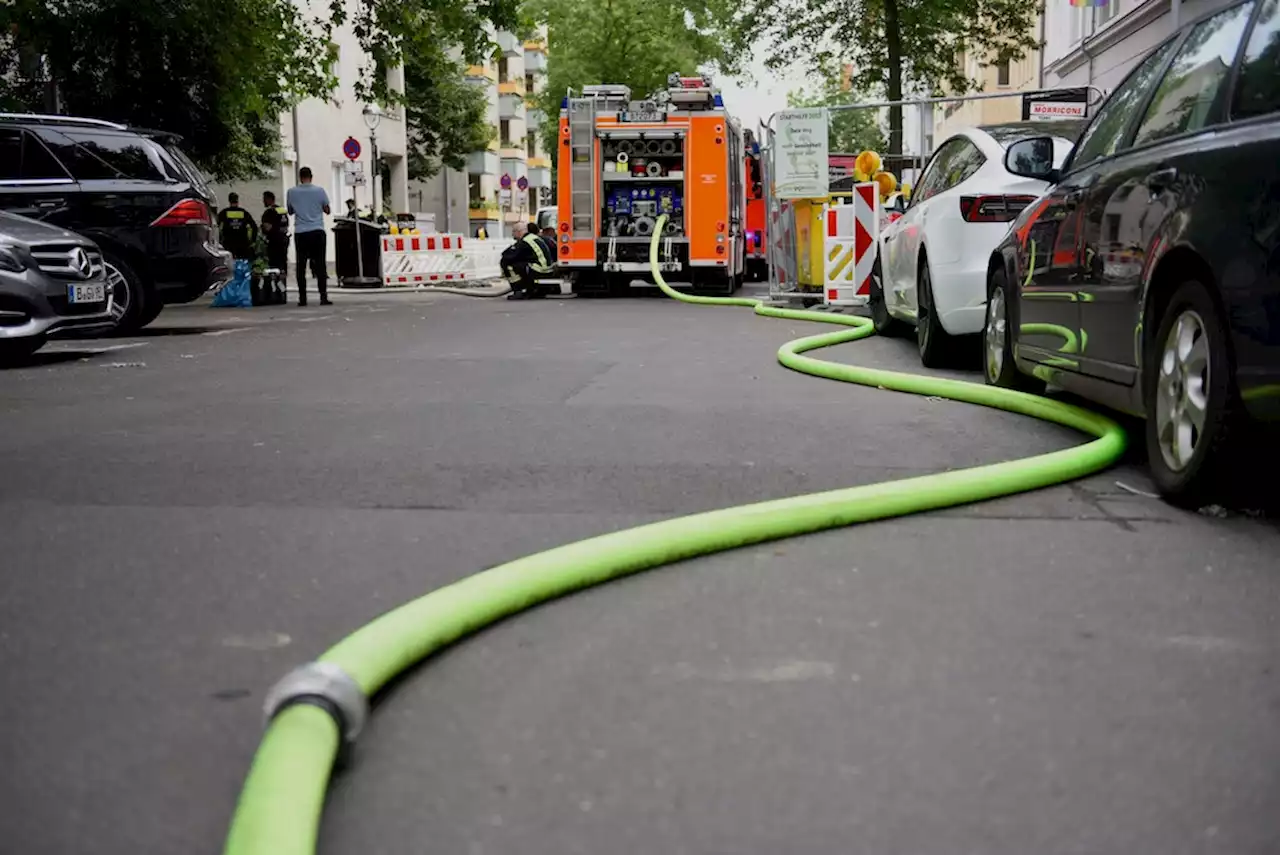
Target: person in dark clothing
column 524, row 261
column 275, row 228
column 236, row 229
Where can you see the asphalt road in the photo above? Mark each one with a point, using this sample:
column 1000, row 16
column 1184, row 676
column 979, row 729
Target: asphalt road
column 188, row 514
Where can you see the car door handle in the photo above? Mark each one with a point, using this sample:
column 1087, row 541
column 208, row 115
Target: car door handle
column 1160, row 179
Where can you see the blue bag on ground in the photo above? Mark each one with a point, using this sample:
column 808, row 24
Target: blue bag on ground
column 236, row 294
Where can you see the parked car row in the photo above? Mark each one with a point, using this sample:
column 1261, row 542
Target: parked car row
column 1134, row 262
column 144, row 208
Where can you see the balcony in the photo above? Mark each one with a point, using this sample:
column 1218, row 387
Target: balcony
column 535, row 63
column 511, row 87
column 482, row 163
column 534, row 117
column 511, row 106
column 481, row 74
column 539, row 176
column 515, row 168
column 509, row 44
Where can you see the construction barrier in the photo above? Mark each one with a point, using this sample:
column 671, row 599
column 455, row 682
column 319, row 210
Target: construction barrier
column 849, row 251
column 418, row 260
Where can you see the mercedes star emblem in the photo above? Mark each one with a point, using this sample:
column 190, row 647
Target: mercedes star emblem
column 80, row 261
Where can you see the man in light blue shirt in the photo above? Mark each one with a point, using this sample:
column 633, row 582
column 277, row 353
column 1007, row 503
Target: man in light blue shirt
column 308, row 204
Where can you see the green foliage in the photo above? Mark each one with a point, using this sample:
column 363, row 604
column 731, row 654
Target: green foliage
column 446, row 117
column 850, row 131
column 636, row 43
column 218, row 73
column 893, row 45
column 221, row 72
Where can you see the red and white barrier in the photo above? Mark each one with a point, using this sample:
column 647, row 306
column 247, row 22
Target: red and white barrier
column 425, row 260
column 850, row 247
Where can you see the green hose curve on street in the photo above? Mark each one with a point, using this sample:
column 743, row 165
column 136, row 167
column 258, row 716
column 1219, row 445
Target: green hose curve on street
column 281, row 802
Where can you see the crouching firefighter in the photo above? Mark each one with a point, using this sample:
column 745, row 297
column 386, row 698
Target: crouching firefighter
column 525, row 260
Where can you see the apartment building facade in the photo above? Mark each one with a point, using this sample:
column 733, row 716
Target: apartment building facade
column 1099, row 45
column 1006, row 78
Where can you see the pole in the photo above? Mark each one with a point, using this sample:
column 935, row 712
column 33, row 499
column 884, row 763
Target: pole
column 376, row 177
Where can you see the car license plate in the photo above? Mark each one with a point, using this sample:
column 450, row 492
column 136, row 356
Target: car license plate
column 91, row 293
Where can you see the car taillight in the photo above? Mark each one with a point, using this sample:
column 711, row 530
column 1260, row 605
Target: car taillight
column 993, row 209
column 188, row 212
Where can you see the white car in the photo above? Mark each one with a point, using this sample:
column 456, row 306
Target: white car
column 931, row 272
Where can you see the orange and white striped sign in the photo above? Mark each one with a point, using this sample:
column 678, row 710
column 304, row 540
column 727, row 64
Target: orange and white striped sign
column 850, row 247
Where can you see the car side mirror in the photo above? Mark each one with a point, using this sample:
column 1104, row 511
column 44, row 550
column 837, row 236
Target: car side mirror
column 1032, row 158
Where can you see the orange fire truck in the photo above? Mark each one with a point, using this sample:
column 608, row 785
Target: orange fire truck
column 624, row 163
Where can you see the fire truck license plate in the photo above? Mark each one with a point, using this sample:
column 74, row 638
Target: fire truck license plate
column 646, row 116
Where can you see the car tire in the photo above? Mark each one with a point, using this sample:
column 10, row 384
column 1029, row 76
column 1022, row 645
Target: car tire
column 885, row 324
column 150, row 311
column 128, row 295
column 17, row 350
column 998, row 365
column 1188, row 370
column 937, row 346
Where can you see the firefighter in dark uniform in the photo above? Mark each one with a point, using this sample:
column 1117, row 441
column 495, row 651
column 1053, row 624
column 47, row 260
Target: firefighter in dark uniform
column 275, row 228
column 236, row 229
column 525, row 260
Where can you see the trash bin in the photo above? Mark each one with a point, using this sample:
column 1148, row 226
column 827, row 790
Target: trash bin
column 345, row 256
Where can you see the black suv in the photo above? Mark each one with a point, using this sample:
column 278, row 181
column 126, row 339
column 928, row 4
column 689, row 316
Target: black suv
column 133, row 192
column 1148, row 278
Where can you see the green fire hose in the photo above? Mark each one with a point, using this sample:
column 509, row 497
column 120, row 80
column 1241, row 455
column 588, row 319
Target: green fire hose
column 283, row 796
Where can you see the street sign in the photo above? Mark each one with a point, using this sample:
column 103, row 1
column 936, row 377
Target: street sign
column 504, row 198
column 801, row 159
column 1060, row 104
column 351, row 148
column 354, row 173
column 523, row 183
column 505, row 181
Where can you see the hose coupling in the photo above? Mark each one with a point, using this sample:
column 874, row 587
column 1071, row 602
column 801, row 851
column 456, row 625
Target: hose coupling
column 325, row 685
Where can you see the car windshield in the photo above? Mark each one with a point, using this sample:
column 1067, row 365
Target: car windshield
column 108, row 155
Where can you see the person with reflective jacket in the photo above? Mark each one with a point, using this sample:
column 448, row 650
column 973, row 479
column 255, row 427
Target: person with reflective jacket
column 525, row 260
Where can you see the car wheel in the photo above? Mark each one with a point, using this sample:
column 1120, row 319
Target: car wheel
column 1192, row 408
column 128, row 297
column 150, row 311
column 936, row 345
column 998, row 365
column 13, row 350
column 885, row 323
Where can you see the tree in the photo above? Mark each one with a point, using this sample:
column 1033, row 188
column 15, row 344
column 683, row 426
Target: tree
column 221, row 72
column 217, row 73
column 446, row 118
column 636, row 43
column 848, row 130
column 893, row 45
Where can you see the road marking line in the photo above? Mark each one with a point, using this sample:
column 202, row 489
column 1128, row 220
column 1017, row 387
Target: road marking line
column 225, row 332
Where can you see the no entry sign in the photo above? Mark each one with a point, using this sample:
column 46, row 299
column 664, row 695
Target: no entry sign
column 351, row 148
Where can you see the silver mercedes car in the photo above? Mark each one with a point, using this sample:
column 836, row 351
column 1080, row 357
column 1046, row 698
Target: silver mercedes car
column 51, row 280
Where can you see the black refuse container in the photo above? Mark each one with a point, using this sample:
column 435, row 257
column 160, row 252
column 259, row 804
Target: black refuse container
column 345, row 257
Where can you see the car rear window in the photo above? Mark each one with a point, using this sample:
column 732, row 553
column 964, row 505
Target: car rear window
column 192, row 172
column 94, row 155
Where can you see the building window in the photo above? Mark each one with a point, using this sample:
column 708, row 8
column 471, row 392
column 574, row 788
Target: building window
column 1002, row 73
column 504, row 133
column 474, row 197
column 531, row 145
column 528, row 84
column 502, row 70
column 1105, row 12
column 533, row 200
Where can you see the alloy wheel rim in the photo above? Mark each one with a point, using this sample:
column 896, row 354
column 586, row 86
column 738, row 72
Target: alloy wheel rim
column 1182, row 390
column 118, row 287
column 997, row 330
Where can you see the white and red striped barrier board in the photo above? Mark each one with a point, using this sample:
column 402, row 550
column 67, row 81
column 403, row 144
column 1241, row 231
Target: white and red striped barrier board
column 849, row 249
column 421, row 243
